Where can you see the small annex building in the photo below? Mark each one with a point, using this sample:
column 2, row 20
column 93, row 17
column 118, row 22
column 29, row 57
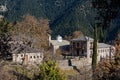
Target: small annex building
column 59, row 43
column 28, row 57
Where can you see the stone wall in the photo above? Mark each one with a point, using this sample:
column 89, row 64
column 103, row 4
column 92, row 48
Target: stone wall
column 71, row 63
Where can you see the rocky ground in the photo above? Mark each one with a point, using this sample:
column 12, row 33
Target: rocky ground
column 11, row 71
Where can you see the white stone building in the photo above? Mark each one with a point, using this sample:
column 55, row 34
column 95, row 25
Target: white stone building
column 83, row 47
column 28, row 58
column 59, row 43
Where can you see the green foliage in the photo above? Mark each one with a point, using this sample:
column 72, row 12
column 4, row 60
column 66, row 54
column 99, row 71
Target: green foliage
column 65, row 16
column 73, row 19
column 101, row 35
column 4, row 28
column 107, row 11
column 4, row 39
column 49, row 71
column 94, row 57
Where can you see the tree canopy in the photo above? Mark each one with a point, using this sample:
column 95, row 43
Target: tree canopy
column 4, row 39
column 49, row 71
column 32, row 31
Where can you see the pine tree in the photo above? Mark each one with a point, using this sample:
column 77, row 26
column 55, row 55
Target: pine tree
column 49, row 71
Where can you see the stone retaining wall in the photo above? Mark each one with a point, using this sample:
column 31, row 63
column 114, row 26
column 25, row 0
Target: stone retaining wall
column 70, row 63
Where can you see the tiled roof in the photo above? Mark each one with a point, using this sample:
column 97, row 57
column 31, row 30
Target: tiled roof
column 57, row 43
column 84, row 38
column 103, row 45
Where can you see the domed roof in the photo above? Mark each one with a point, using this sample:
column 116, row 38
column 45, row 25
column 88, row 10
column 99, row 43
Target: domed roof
column 59, row 38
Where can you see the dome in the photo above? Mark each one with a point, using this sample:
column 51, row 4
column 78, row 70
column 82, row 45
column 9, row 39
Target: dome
column 59, row 38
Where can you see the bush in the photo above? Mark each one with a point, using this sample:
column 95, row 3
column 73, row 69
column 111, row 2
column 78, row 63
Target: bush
column 49, row 71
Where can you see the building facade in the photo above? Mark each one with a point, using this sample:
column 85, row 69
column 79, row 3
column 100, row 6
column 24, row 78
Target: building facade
column 83, row 47
column 28, row 58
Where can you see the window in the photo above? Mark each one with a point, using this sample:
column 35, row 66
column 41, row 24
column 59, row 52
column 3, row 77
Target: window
column 30, row 56
column 105, row 50
column 91, row 55
column 73, row 44
column 34, row 56
column 91, row 52
column 91, row 44
column 77, row 44
column 40, row 56
column 21, row 55
column 107, row 55
column 37, row 56
column 98, row 51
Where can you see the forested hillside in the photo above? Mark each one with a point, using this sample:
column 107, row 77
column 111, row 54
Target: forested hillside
column 65, row 16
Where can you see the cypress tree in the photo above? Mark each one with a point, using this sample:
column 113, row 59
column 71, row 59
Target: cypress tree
column 106, row 10
column 101, row 35
column 94, row 56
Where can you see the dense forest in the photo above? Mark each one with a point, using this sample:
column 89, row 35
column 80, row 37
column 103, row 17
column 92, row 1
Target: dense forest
column 65, row 16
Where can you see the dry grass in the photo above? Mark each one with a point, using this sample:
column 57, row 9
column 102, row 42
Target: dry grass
column 9, row 71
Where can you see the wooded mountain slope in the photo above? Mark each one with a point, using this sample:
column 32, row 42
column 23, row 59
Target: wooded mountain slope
column 65, row 16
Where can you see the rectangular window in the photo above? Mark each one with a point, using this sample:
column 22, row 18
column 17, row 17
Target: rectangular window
column 21, row 55
column 40, row 56
column 91, row 52
column 73, row 44
column 98, row 51
column 30, row 56
column 91, row 45
column 37, row 56
column 77, row 44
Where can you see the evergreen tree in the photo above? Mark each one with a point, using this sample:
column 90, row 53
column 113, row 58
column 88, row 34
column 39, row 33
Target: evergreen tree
column 106, row 10
column 4, row 39
column 49, row 71
column 101, row 35
column 94, row 57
